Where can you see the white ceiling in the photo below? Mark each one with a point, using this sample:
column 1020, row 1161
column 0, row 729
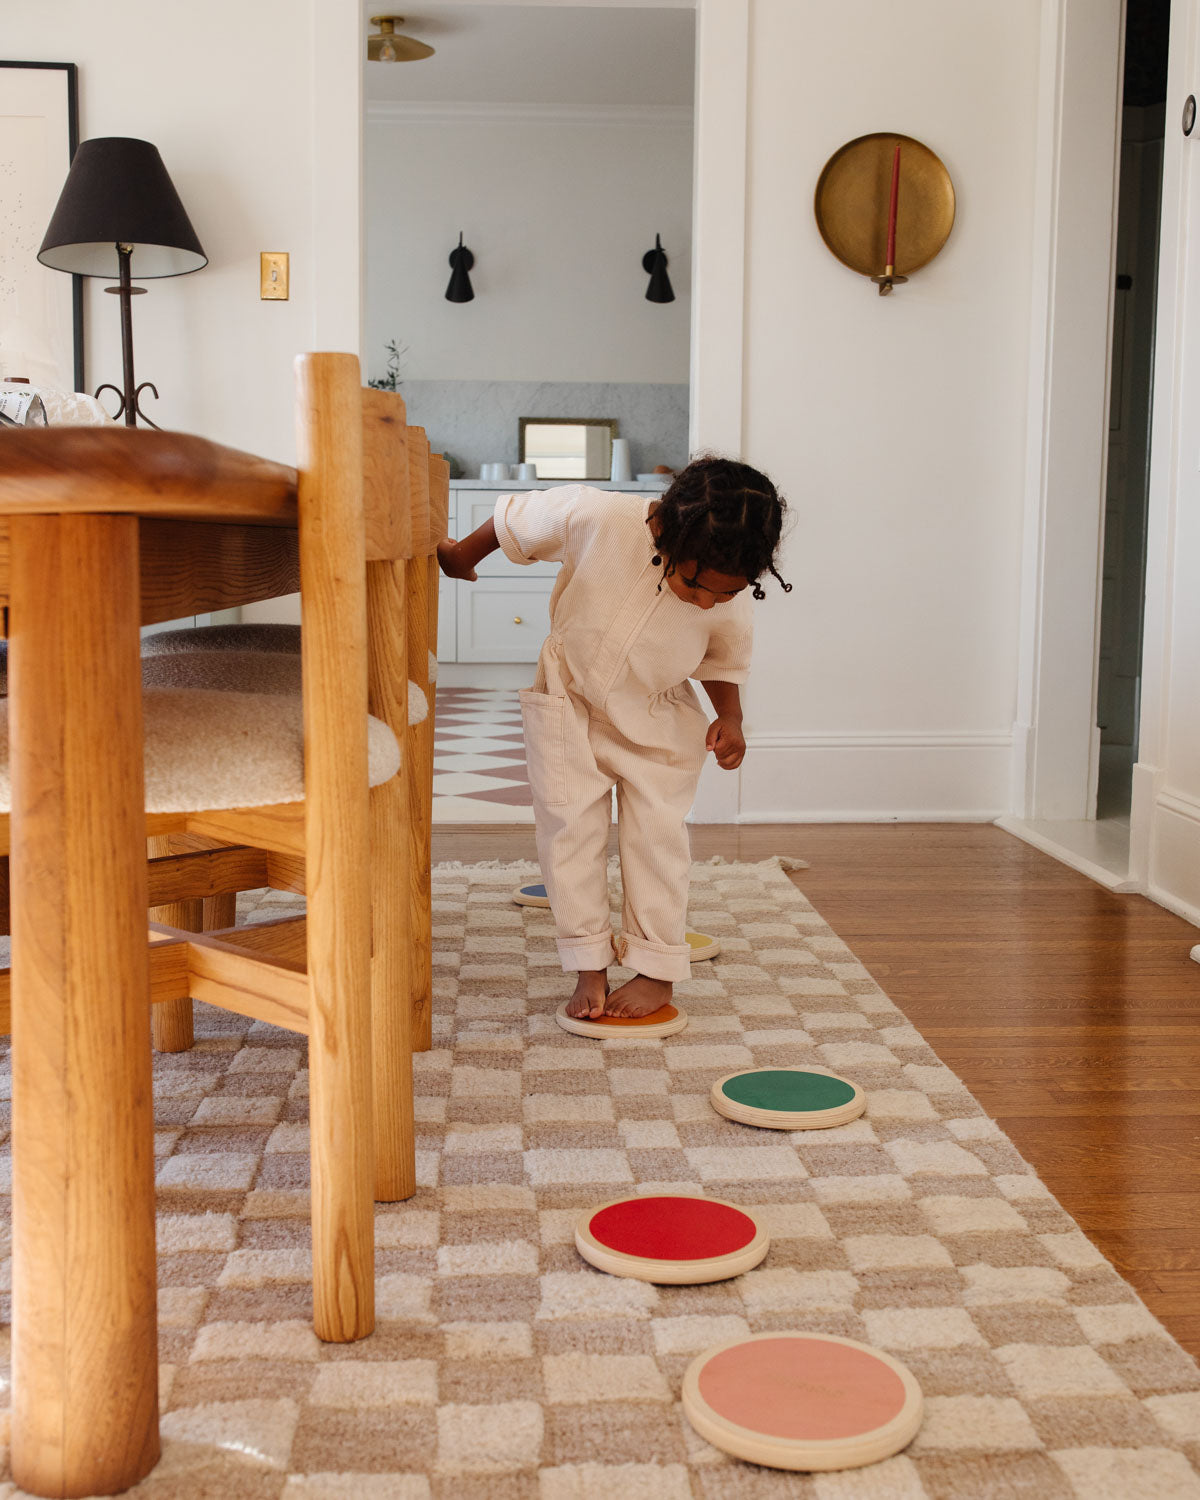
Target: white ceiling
column 495, row 53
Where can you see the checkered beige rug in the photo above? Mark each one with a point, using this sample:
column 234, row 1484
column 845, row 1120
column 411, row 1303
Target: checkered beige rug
column 504, row 1367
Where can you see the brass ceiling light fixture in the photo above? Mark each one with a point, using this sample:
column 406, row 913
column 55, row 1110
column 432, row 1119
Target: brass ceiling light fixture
column 389, row 46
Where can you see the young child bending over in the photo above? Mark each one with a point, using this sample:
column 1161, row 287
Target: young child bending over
column 611, row 704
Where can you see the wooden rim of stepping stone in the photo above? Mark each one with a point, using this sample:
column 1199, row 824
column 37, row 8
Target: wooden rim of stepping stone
column 802, row 1401
column 788, row 1098
column 665, row 1021
column 702, row 945
column 674, row 1239
column 531, row 895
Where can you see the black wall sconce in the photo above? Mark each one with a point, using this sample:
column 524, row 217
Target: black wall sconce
column 655, row 263
column 461, row 261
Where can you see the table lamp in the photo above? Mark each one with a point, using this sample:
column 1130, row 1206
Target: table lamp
column 118, row 204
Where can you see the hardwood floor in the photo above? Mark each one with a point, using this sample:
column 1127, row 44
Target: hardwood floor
column 1072, row 1014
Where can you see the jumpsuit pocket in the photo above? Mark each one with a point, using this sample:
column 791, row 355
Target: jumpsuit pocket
column 544, row 718
column 688, row 740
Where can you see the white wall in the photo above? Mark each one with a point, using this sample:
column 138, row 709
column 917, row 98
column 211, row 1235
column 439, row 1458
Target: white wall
column 257, row 117
column 884, row 685
column 559, row 207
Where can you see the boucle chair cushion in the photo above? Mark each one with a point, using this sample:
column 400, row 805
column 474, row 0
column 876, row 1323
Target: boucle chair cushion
column 225, row 671
column 213, row 750
column 247, row 637
column 230, row 671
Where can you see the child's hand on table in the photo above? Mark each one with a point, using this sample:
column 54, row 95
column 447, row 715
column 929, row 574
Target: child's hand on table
column 726, row 741
column 452, row 563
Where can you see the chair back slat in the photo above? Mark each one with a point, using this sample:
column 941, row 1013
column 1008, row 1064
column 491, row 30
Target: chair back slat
column 337, row 833
column 385, row 476
column 423, row 541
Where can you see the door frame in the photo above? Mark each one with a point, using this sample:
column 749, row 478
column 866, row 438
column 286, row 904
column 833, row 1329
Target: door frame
column 718, row 335
column 1163, row 821
column 1055, row 739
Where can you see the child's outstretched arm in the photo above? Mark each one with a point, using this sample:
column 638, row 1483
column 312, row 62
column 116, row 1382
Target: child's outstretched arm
column 724, row 736
column 459, row 559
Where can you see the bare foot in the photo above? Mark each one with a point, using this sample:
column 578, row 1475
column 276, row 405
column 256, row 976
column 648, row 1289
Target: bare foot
column 591, row 991
column 639, row 996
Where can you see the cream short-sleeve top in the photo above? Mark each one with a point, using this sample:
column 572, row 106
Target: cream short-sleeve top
column 616, row 639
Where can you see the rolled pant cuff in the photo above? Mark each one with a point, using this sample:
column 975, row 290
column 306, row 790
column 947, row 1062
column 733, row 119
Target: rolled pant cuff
column 656, row 960
column 595, row 952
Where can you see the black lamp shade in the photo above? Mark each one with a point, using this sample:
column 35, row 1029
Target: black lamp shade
column 118, row 192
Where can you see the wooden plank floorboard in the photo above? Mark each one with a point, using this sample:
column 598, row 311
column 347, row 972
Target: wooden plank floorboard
column 1070, row 1012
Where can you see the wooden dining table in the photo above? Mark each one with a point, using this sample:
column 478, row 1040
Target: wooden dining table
column 101, row 531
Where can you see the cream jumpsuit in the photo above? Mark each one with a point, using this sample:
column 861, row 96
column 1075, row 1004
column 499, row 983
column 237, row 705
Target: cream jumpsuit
column 611, row 706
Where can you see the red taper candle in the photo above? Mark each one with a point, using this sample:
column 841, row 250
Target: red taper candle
column 891, row 234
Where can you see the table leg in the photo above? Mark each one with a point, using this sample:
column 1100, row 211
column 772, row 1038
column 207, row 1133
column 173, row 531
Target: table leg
column 85, row 1368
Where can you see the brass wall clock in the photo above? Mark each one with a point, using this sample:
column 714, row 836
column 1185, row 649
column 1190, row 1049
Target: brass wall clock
column 885, row 206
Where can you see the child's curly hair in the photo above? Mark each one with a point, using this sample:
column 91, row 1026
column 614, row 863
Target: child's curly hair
column 722, row 515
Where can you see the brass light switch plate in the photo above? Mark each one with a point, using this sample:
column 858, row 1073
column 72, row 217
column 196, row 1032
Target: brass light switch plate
column 273, row 276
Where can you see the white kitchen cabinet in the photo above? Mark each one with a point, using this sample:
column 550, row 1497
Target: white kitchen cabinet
column 447, row 641
column 504, row 616
column 502, row 620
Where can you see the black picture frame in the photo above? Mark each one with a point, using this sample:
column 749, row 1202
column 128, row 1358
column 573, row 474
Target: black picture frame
column 72, row 81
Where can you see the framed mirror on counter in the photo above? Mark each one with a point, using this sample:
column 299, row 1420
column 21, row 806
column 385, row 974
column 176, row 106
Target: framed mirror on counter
column 568, row 447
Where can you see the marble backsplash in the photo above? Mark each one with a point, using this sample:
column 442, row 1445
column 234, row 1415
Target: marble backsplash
column 475, row 421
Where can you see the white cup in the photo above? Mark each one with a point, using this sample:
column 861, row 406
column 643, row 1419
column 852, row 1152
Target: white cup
column 526, row 472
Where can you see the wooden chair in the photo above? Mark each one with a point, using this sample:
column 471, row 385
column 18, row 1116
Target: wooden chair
column 411, row 477
column 81, row 1378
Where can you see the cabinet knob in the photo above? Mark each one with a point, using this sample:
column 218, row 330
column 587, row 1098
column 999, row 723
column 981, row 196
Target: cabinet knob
column 517, row 620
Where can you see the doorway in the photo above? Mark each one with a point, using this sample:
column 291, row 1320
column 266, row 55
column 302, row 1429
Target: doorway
column 1139, row 199
column 557, row 141
column 1057, row 743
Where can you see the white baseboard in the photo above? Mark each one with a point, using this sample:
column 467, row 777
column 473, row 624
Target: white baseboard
column 1175, row 854
column 1180, row 908
column 875, row 778
column 1147, row 780
column 860, row 815
column 1024, row 742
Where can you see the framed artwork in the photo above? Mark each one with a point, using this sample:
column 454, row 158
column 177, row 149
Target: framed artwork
column 41, row 311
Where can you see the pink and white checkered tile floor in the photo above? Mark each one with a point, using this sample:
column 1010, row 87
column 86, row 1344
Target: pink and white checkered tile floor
column 479, row 773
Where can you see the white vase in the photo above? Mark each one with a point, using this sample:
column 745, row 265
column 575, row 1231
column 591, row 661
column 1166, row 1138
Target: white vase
column 622, row 471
